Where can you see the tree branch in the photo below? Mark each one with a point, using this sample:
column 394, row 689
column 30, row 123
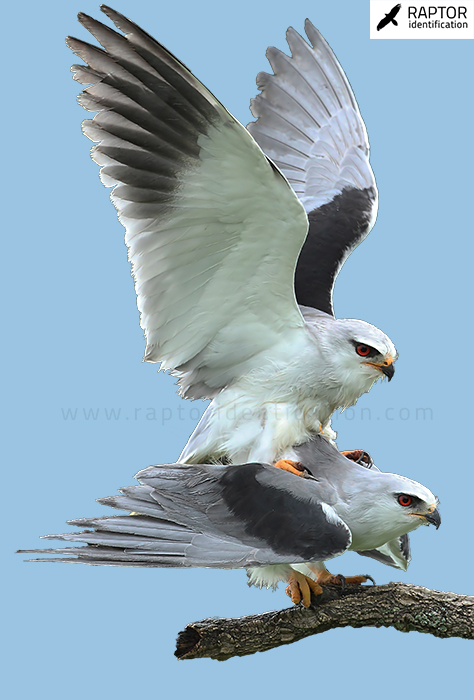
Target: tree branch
column 405, row 607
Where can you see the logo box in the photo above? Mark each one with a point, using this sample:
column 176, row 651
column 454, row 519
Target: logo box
column 416, row 19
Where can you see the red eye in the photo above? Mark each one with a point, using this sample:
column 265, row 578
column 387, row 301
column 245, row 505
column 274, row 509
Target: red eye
column 404, row 499
column 363, row 350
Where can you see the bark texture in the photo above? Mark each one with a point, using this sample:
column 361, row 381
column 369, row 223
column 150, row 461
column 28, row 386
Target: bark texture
column 405, row 607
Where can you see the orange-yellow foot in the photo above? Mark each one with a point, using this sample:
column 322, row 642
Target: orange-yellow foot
column 359, row 456
column 357, row 580
column 289, row 466
column 300, row 587
column 323, row 578
column 293, row 467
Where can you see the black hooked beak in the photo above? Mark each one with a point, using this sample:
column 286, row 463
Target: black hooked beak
column 388, row 370
column 433, row 518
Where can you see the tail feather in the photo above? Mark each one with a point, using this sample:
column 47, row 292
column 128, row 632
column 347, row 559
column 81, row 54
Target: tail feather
column 177, row 519
column 105, row 556
column 136, row 525
column 123, row 540
column 150, row 536
column 134, row 505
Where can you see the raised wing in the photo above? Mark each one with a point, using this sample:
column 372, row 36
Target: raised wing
column 201, row 515
column 212, row 227
column 309, row 123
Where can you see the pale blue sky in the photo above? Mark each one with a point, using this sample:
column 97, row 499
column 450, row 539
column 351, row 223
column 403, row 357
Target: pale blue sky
column 73, row 341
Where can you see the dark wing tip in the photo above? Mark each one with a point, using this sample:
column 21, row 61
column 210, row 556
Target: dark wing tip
column 122, row 22
column 110, row 12
column 86, row 19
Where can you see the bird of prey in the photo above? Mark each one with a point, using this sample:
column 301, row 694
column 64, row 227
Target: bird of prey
column 389, row 17
column 215, row 230
column 278, row 526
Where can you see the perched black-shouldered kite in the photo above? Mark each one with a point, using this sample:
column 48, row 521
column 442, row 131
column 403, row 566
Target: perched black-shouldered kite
column 275, row 524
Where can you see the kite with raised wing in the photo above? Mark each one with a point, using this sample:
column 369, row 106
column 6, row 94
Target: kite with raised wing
column 235, row 249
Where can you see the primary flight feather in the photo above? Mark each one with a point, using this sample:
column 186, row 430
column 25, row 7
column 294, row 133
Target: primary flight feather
column 233, row 272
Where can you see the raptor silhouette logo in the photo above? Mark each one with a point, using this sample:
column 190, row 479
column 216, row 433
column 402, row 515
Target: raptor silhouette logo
column 389, row 17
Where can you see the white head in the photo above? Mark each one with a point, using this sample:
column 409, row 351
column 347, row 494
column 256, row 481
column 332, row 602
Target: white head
column 356, row 355
column 385, row 506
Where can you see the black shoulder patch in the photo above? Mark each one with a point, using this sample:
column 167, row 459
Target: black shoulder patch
column 335, row 229
column 150, row 120
column 289, row 526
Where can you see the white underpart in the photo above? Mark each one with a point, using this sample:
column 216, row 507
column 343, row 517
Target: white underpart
column 268, row 576
column 271, row 576
column 288, row 399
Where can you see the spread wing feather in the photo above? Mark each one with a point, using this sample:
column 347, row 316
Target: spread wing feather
column 212, row 227
column 309, row 123
column 212, row 516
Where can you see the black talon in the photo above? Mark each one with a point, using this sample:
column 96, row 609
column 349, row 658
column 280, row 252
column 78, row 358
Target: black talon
column 369, row 578
column 307, row 475
column 339, row 580
column 365, row 460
